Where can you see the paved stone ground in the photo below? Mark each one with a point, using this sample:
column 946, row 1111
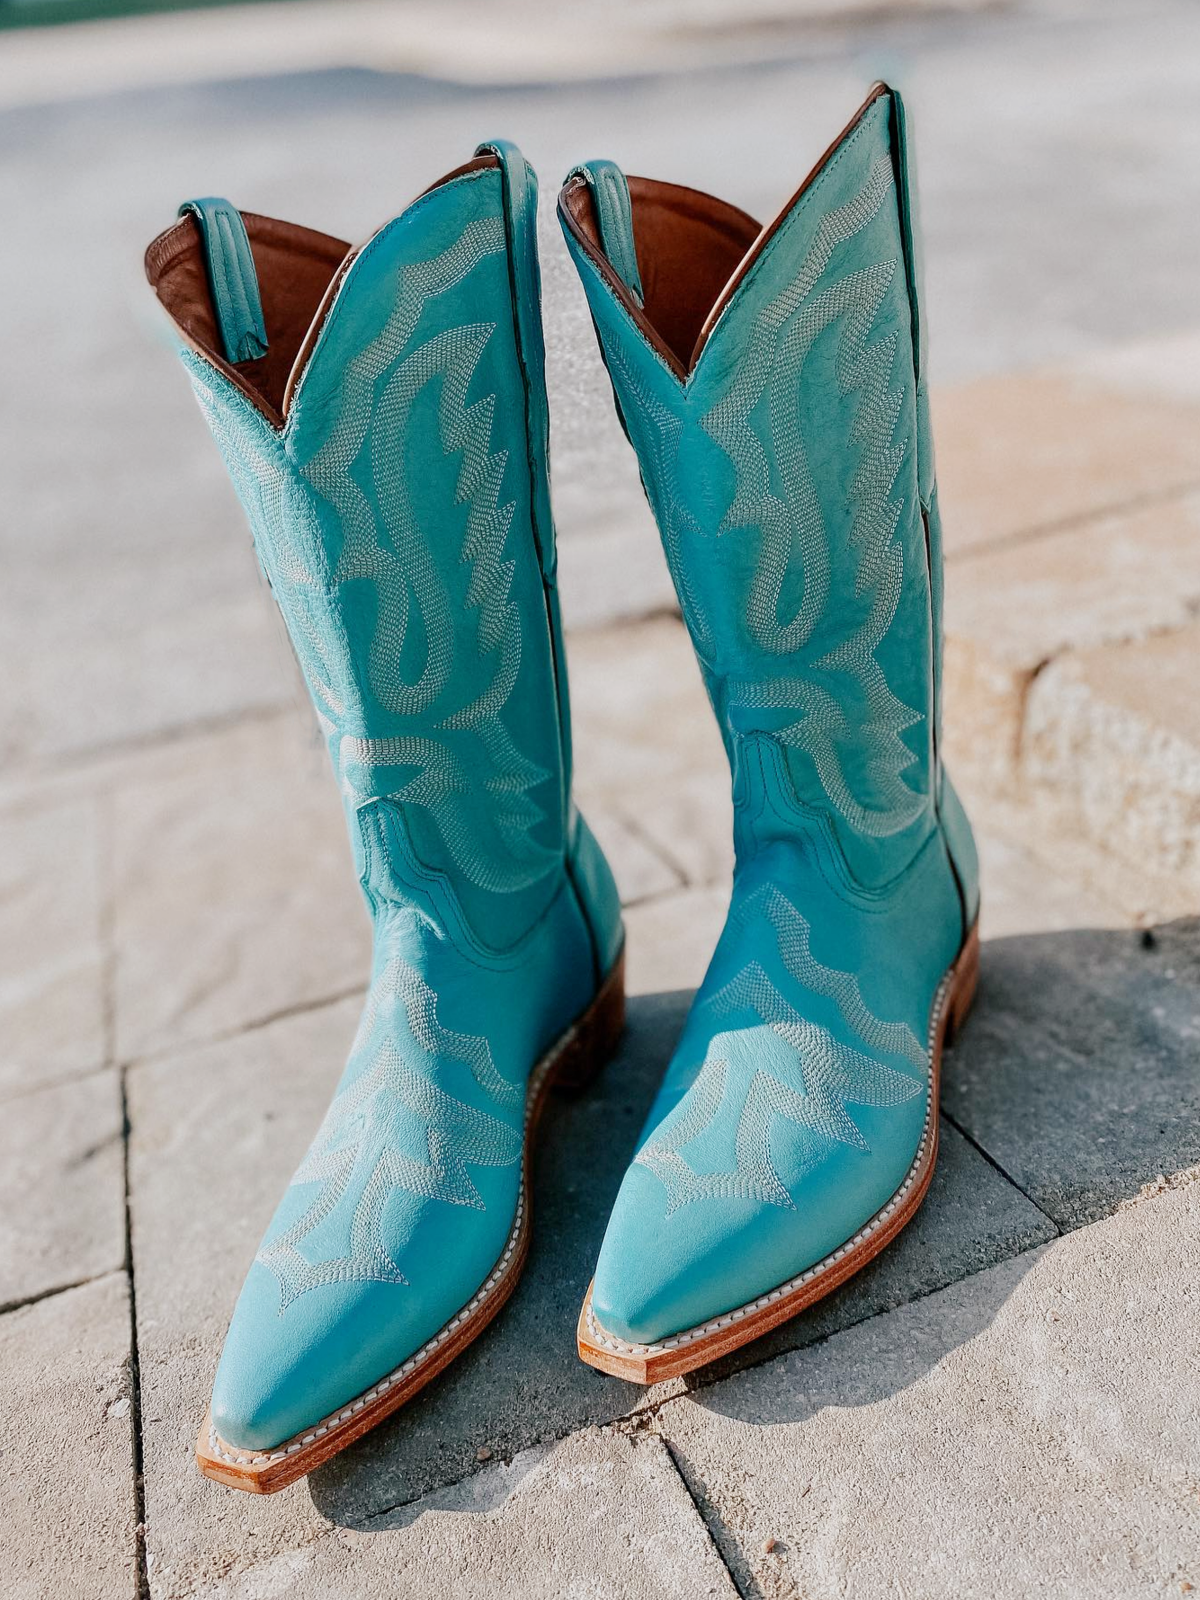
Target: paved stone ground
column 1006, row 1402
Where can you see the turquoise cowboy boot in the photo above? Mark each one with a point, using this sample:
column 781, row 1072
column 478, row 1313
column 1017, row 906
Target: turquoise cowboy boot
column 772, row 383
column 383, row 415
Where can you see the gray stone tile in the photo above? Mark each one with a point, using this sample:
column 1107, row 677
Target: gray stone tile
column 641, row 870
column 640, row 716
column 690, row 820
column 66, row 1495
column 251, row 907
column 598, row 1514
column 1029, row 1431
column 1077, row 1073
column 80, row 687
column 1111, row 752
column 62, row 1190
column 669, row 941
column 1023, row 894
column 52, row 1013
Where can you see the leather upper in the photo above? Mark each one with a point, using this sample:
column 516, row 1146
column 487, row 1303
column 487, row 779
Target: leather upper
column 788, row 460
column 390, row 452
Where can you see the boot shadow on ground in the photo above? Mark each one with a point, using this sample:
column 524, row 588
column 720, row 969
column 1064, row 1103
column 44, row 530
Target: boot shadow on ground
column 1076, row 1082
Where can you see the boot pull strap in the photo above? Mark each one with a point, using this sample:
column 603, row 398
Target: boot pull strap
column 520, row 218
column 614, row 215
column 232, row 279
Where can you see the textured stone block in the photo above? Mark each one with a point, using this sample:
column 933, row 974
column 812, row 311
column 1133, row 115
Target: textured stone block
column 62, row 1190
column 1012, row 610
column 598, row 1514
column 642, row 871
column 1029, row 1431
column 1024, row 894
column 66, row 1492
column 1112, row 752
column 1021, row 452
column 1077, row 1073
column 641, row 717
column 51, row 958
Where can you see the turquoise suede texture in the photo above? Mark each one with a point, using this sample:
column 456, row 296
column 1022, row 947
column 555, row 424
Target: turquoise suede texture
column 401, row 514
column 792, row 479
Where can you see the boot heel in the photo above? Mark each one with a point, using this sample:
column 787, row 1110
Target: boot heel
column 962, row 992
column 594, row 1039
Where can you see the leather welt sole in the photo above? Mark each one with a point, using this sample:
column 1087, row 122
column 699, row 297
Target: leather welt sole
column 696, row 1347
column 571, row 1064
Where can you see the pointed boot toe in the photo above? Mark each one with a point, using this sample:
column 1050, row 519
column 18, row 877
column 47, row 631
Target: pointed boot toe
column 307, row 1366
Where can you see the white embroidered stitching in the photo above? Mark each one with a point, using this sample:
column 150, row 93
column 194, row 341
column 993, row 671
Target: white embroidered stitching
column 500, row 1271
column 608, row 1341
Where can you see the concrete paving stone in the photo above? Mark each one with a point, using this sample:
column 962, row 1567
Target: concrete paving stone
column 1059, row 865
column 669, row 942
column 66, row 1465
column 1111, row 750
column 598, row 1514
column 1077, row 1073
column 639, row 713
column 690, row 820
column 1032, row 1430
column 230, row 1120
column 235, row 893
column 62, row 1188
column 78, row 689
column 52, row 1012
column 1024, row 452
column 1166, row 367
column 1022, row 894
column 1011, row 610
column 164, row 619
column 642, row 871
column 610, row 570
column 647, row 745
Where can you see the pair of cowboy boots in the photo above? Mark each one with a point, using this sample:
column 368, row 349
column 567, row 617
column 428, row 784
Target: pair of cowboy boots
column 382, row 412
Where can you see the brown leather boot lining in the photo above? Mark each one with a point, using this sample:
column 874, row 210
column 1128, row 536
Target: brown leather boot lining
column 298, row 273
column 295, row 267
column 693, row 251
column 688, row 245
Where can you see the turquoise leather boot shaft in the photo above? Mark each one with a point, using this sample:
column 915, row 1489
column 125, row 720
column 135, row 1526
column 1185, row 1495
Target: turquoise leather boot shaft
column 389, row 445
column 772, row 383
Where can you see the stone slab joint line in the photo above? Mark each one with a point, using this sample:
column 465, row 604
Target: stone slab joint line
column 301, row 1008
column 655, row 847
column 1176, row 494
column 718, row 1534
column 1000, row 1171
column 106, row 878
